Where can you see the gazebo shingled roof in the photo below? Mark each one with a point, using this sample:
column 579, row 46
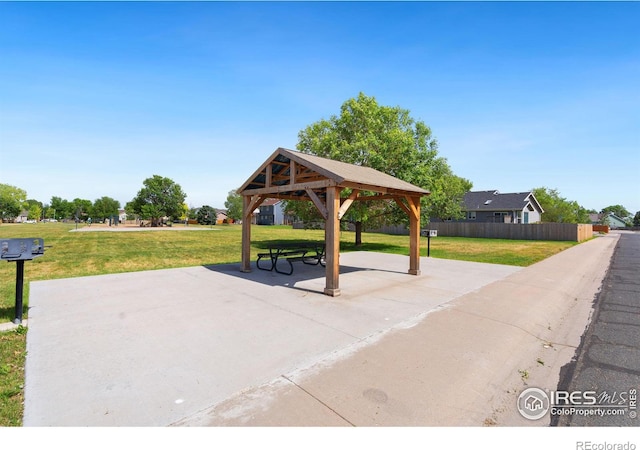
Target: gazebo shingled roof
column 342, row 174
column 289, row 174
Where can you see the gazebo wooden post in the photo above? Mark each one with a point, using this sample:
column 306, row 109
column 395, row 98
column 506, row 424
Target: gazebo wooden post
column 414, row 235
column 332, row 242
column 246, row 233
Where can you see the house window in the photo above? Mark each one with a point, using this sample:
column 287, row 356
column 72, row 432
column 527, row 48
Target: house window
column 471, row 215
column 499, row 217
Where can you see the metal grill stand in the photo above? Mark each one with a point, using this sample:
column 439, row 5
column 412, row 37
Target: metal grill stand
column 20, row 250
column 429, row 234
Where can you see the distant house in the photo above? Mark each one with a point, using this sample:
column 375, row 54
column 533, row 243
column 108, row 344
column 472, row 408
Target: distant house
column 614, row 221
column 221, row 216
column 23, row 216
column 609, row 219
column 595, row 219
column 271, row 212
column 493, row 206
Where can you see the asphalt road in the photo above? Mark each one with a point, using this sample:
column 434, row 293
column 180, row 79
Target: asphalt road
column 606, row 370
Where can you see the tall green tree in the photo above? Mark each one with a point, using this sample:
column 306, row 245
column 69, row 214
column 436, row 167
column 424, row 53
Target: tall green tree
column 233, row 204
column 558, row 209
column 34, row 209
column 184, row 213
column 192, row 213
column 105, row 207
column 60, row 209
column 159, row 197
column 206, row 215
column 387, row 139
column 81, row 208
column 12, row 200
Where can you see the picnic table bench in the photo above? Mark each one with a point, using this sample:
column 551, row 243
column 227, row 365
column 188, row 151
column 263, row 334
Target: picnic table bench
column 308, row 252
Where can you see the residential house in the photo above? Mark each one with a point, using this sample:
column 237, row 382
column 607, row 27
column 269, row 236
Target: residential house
column 22, row 217
column 221, row 216
column 271, row 212
column 595, row 219
column 496, row 207
column 609, row 219
column 614, row 221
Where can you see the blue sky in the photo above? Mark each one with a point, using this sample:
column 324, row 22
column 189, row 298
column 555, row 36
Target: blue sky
column 96, row 97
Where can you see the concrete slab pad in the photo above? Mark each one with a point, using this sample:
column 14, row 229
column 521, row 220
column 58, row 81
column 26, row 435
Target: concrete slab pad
column 152, row 348
column 463, row 365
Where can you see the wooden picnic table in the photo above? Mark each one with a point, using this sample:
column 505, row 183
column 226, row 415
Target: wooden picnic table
column 308, row 252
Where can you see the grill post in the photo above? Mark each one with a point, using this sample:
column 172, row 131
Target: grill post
column 19, row 286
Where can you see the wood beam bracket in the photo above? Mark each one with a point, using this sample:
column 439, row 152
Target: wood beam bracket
column 319, row 204
column 414, row 205
column 254, row 202
column 402, row 205
column 346, row 204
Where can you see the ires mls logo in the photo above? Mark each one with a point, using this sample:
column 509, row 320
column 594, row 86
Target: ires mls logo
column 534, row 403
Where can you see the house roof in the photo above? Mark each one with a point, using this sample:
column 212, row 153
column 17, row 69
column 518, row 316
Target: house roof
column 271, row 201
column 313, row 172
column 599, row 217
column 495, row 201
column 595, row 217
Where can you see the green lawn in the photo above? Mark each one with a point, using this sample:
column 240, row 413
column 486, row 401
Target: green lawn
column 12, row 359
column 76, row 254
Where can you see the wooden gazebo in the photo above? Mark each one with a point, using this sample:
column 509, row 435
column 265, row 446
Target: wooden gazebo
column 292, row 175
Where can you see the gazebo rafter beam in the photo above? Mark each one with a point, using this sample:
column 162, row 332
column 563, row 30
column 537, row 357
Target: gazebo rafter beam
column 290, row 187
column 268, row 175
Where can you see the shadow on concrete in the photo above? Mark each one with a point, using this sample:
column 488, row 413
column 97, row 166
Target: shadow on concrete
column 302, row 273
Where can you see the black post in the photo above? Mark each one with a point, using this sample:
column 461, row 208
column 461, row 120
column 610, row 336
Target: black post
column 19, row 284
column 428, row 244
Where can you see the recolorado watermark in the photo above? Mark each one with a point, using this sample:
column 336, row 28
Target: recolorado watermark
column 534, row 403
column 589, row 445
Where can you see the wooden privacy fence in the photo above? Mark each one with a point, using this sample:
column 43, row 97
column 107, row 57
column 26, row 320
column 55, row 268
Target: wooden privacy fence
column 600, row 228
column 536, row 231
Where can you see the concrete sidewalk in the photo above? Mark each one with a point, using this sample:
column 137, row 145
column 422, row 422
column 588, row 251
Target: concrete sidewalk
column 214, row 346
